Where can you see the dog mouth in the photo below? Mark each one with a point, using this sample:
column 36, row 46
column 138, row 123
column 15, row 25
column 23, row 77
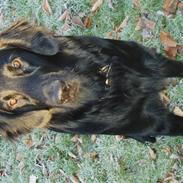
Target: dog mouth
column 59, row 92
column 68, row 92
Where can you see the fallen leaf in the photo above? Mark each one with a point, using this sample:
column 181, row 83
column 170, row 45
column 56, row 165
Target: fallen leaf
column 93, row 138
column 136, row 3
column 110, row 4
column 139, row 24
column 164, row 98
column 79, row 150
column 88, row 22
column 144, row 23
column 72, row 155
column 180, row 49
column 65, row 28
column 2, row 173
column 81, row 14
column 93, row 155
column 76, row 138
column 177, row 111
column 64, row 16
column 32, row 179
column 1, row 17
column 180, row 6
column 75, row 179
column 21, row 166
column 170, row 6
column 119, row 137
column 167, row 150
column 19, row 157
column 29, row 142
column 167, row 39
column 152, row 154
column 171, row 52
column 77, row 21
column 123, row 24
column 149, row 24
column 46, row 7
column 109, row 35
column 96, row 6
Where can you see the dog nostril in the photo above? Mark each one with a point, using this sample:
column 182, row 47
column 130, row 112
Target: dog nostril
column 12, row 102
column 17, row 63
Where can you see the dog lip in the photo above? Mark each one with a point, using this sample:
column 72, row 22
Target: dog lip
column 60, row 92
column 68, row 92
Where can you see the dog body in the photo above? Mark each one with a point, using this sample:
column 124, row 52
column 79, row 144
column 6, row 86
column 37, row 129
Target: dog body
column 83, row 85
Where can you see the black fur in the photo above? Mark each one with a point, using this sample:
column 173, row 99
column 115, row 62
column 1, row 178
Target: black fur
column 122, row 82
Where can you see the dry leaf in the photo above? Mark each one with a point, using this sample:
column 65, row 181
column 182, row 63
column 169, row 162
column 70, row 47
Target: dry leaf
column 65, row 28
column 19, row 157
column 93, row 155
column 164, row 98
column 1, row 17
column 152, row 154
column 29, row 142
column 123, row 24
column 76, row 138
column 144, row 23
column 149, row 24
column 75, row 179
column 167, row 39
column 64, row 16
column 21, row 166
column 171, row 52
column 79, row 150
column 96, row 6
column 177, row 111
column 32, row 179
column 77, row 21
column 110, row 4
column 88, row 22
column 2, row 173
column 167, row 150
column 180, row 49
column 119, row 137
column 136, row 3
column 139, row 24
column 93, row 138
column 180, row 5
column 170, row 6
column 46, row 7
column 109, row 35
column 72, row 155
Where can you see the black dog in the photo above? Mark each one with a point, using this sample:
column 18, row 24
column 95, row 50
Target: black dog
column 83, row 85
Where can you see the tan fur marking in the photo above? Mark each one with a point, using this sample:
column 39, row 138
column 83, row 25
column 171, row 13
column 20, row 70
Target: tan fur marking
column 28, row 121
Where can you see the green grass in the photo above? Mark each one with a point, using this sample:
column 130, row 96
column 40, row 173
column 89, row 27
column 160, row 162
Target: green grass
column 55, row 158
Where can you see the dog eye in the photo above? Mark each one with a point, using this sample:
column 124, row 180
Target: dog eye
column 12, row 102
column 17, row 63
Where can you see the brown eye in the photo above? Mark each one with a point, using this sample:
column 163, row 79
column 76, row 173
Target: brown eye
column 16, row 63
column 12, row 102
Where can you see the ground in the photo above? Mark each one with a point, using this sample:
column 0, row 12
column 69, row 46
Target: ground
column 48, row 157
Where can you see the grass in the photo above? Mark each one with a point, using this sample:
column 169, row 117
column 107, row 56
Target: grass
column 55, row 158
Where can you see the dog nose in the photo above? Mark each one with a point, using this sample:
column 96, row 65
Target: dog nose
column 52, row 92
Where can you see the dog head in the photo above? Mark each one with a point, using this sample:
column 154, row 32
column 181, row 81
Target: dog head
column 32, row 85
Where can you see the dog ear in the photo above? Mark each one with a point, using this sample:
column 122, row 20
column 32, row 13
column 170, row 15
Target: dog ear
column 12, row 126
column 27, row 36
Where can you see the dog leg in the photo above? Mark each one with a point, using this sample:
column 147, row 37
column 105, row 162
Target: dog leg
column 171, row 68
column 173, row 126
column 144, row 139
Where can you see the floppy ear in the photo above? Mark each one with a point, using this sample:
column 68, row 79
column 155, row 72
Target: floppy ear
column 12, row 126
column 27, row 36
